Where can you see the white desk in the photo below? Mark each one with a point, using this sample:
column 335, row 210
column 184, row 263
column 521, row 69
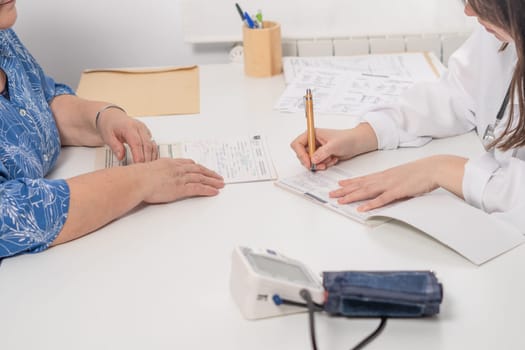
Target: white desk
column 158, row 278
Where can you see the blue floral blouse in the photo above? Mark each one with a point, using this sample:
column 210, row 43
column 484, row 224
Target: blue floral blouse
column 32, row 209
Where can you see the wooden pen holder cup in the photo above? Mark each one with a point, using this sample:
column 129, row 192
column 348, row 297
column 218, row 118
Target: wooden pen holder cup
column 263, row 50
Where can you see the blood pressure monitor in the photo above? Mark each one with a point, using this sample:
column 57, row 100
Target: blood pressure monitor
column 258, row 275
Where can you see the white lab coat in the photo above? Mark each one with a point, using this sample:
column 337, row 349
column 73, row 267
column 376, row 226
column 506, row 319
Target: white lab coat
column 467, row 97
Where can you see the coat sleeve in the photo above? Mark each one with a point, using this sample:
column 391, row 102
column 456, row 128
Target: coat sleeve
column 33, row 212
column 497, row 188
column 431, row 109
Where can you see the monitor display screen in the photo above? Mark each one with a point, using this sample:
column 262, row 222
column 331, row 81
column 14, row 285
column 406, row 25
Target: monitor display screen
column 279, row 269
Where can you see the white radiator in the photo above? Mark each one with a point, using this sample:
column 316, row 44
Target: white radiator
column 442, row 45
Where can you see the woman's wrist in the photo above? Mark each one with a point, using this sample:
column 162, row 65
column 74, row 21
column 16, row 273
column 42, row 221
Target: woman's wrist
column 141, row 175
column 103, row 111
column 363, row 138
column 447, row 171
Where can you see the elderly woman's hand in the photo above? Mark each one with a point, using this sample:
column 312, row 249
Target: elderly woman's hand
column 176, row 179
column 117, row 128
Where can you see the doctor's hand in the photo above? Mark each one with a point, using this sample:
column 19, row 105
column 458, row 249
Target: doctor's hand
column 335, row 145
column 404, row 181
column 117, row 128
column 169, row 180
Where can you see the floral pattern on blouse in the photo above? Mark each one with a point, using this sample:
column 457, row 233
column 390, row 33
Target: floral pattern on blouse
column 33, row 209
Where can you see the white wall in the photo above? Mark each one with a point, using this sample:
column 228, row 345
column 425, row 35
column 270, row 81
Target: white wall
column 67, row 36
column 321, row 19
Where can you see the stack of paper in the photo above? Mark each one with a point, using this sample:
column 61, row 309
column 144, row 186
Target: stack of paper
column 352, row 85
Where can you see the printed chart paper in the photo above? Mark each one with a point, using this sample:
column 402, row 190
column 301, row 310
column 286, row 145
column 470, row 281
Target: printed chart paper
column 354, row 84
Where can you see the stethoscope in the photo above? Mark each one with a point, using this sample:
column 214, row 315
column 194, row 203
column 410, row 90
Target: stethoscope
column 488, row 135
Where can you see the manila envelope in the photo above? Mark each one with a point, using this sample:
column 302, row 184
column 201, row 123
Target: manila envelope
column 144, row 92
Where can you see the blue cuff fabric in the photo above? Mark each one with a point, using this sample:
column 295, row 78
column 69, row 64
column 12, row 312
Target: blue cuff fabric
column 62, row 89
column 382, row 293
column 53, row 89
column 32, row 214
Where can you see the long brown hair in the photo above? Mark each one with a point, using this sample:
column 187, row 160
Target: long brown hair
column 509, row 15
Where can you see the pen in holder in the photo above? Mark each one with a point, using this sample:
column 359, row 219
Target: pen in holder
column 262, row 50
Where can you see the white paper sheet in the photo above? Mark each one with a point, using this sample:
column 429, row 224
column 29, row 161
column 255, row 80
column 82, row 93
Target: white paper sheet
column 414, row 66
column 316, row 186
column 237, row 160
column 341, row 92
column 352, row 85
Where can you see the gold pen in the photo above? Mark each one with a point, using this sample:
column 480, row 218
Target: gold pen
column 310, row 128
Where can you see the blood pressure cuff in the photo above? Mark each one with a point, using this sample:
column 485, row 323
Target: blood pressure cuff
column 382, row 293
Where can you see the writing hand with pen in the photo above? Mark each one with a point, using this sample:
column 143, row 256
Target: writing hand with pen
column 318, row 149
column 334, row 145
column 383, row 187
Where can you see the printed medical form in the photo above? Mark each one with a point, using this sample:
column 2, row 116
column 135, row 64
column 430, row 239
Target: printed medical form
column 244, row 159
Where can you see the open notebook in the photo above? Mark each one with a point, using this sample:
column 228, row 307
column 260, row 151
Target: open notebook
column 242, row 159
column 471, row 232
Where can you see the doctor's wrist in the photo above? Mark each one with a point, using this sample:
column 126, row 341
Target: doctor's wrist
column 447, row 171
column 363, row 139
